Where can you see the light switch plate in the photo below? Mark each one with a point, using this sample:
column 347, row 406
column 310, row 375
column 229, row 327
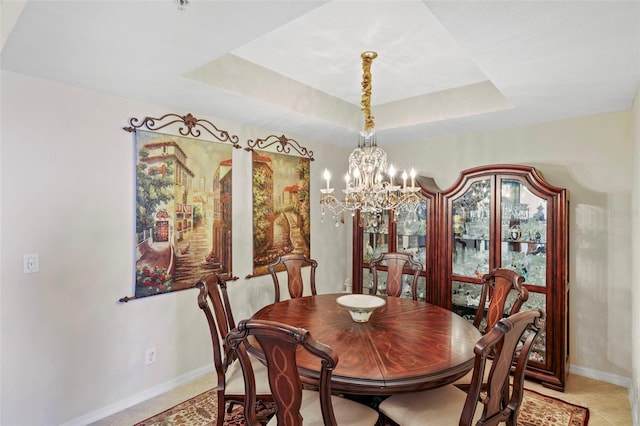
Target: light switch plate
column 31, row 263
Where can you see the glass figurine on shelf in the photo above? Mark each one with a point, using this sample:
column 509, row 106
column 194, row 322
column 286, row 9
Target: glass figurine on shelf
column 406, row 287
column 368, row 253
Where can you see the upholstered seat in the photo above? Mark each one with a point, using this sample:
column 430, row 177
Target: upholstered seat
column 295, row 406
column 234, row 381
column 484, row 404
column 443, row 408
column 346, row 412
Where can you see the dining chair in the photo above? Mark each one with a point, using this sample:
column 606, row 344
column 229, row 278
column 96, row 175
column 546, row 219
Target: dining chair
column 214, row 302
column 496, row 288
column 293, row 264
column 396, row 265
column 294, row 405
column 498, row 402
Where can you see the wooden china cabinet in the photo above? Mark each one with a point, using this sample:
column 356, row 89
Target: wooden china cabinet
column 496, row 216
column 508, row 216
column 390, row 231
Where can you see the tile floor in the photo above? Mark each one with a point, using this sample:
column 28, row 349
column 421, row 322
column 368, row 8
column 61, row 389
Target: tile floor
column 608, row 404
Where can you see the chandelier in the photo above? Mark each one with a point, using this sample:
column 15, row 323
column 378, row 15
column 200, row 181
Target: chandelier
column 370, row 186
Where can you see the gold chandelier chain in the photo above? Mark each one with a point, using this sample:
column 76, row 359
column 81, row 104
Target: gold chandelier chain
column 367, row 189
column 367, row 59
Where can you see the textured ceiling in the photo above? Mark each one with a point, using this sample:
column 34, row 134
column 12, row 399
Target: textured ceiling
column 294, row 67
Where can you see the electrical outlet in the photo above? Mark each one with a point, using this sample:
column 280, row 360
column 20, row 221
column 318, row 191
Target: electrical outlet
column 150, row 356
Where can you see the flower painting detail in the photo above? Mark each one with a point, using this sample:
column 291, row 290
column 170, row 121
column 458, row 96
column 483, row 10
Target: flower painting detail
column 281, row 220
column 183, row 211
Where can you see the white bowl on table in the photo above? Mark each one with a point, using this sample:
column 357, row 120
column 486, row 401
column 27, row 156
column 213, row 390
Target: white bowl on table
column 360, row 306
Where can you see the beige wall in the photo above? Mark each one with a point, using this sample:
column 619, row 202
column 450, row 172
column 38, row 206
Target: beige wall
column 70, row 354
column 69, row 351
column 591, row 157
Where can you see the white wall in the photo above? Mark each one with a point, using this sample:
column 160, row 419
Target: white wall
column 68, row 348
column 70, row 353
column 591, row 157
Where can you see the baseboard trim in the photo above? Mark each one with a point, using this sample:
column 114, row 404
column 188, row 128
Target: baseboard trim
column 599, row 375
column 139, row 397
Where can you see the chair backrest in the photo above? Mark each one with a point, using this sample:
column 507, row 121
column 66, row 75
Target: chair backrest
column 293, row 264
column 279, row 343
column 511, row 335
column 396, row 264
column 213, row 300
column 496, row 287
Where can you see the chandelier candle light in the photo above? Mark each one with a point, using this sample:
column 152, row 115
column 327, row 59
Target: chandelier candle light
column 366, row 188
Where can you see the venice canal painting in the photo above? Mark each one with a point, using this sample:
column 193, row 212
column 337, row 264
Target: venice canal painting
column 281, row 220
column 183, row 211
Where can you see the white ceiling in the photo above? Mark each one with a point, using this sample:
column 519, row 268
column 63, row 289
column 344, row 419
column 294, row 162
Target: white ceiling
column 443, row 67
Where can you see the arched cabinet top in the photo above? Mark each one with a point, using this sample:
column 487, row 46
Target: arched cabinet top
column 529, row 174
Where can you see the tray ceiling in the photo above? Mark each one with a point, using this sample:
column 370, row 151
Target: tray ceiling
column 443, row 67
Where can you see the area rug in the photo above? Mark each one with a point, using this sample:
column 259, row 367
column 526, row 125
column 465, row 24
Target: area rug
column 536, row 410
column 201, row 411
column 541, row 410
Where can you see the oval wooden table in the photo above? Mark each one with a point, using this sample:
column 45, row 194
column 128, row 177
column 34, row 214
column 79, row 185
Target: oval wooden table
column 405, row 346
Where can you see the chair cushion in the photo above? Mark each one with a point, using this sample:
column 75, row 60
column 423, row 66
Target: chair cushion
column 347, row 412
column 234, row 381
column 438, row 407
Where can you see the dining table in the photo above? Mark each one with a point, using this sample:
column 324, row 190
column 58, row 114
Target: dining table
column 406, row 345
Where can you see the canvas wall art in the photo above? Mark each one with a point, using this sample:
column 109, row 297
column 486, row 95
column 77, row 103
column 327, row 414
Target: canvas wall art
column 281, row 220
column 182, row 211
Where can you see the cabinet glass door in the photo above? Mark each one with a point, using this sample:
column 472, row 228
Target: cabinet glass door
column 411, row 238
column 524, row 246
column 471, row 230
column 375, row 228
column 524, row 231
column 411, row 231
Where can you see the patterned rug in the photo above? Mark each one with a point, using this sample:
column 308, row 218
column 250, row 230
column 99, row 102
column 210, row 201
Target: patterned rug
column 541, row 410
column 201, row 411
column 536, row 410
